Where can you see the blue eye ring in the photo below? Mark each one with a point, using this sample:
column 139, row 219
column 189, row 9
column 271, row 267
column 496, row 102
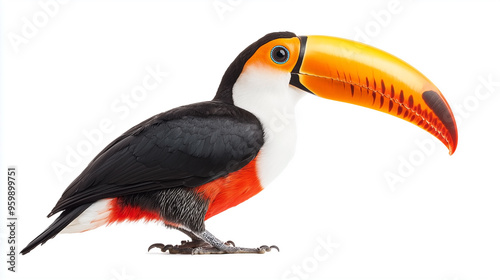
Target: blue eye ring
column 280, row 54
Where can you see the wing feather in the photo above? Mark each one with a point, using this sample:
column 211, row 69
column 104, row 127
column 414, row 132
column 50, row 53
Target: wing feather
column 184, row 147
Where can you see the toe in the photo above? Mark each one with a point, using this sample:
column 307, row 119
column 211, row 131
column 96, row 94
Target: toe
column 156, row 245
column 275, row 247
column 265, row 248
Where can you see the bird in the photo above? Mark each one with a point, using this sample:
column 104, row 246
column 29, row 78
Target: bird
column 188, row 164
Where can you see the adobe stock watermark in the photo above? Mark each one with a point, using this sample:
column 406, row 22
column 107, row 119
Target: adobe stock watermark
column 32, row 25
column 380, row 19
column 223, row 7
column 279, row 121
column 121, row 275
column 121, row 108
column 324, row 250
column 424, row 148
column 367, row 32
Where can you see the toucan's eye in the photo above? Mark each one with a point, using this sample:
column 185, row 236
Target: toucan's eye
column 279, row 54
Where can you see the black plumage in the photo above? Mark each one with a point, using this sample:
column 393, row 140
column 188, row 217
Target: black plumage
column 184, row 147
column 159, row 158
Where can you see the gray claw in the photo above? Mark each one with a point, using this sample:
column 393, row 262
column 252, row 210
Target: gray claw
column 156, row 245
column 269, row 248
column 229, row 242
column 160, row 246
column 275, row 247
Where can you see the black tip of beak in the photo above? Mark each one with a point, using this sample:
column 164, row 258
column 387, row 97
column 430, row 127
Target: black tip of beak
column 437, row 104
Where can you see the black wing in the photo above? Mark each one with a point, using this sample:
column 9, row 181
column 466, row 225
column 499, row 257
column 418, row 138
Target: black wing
column 187, row 146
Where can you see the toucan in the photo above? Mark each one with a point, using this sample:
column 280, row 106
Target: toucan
column 185, row 165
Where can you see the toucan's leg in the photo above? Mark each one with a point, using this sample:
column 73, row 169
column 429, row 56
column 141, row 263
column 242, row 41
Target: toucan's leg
column 195, row 240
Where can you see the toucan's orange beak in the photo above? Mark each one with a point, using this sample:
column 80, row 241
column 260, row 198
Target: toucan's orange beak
column 356, row 73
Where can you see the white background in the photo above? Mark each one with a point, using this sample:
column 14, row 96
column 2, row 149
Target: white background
column 441, row 222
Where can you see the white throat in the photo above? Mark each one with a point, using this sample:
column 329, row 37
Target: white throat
column 268, row 95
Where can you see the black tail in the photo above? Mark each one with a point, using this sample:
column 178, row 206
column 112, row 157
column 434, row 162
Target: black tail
column 59, row 224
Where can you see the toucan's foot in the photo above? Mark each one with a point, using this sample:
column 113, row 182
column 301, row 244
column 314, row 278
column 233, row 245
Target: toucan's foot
column 205, row 243
column 200, row 247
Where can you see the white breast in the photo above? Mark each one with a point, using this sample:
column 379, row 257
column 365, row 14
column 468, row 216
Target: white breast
column 272, row 100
